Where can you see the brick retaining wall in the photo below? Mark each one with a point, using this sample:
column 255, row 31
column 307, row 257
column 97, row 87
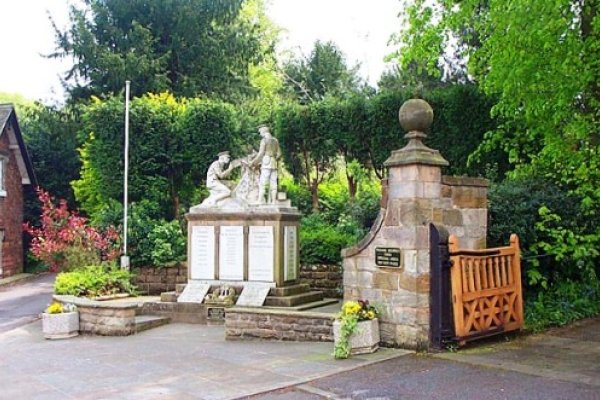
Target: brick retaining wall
column 255, row 323
column 154, row 280
column 325, row 278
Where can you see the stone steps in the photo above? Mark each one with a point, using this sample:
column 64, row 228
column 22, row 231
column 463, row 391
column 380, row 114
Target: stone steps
column 289, row 290
column 169, row 297
column 314, row 304
column 145, row 322
column 294, row 299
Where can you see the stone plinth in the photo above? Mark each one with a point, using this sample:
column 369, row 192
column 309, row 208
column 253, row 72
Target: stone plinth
column 256, row 244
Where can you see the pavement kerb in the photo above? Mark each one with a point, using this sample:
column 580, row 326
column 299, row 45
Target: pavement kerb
column 18, row 279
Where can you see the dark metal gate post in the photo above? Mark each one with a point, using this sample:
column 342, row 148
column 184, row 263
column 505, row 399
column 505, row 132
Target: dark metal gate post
column 440, row 306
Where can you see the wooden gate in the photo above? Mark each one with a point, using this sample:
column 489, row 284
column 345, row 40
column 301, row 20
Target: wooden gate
column 486, row 290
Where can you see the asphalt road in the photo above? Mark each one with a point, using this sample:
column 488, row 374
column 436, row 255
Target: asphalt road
column 426, row 377
column 22, row 303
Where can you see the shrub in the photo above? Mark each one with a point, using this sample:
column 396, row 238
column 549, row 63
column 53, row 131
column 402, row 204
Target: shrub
column 168, row 243
column 562, row 303
column 152, row 241
column 93, row 281
column 320, row 242
column 65, row 240
column 514, row 207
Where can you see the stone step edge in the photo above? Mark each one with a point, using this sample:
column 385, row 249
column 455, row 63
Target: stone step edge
column 294, row 300
column 145, row 322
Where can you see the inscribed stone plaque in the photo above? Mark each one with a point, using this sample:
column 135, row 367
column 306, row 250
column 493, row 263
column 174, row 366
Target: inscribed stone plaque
column 290, row 261
column 387, row 256
column 260, row 253
column 194, row 292
column 231, row 253
column 254, row 294
column 215, row 313
column 202, row 252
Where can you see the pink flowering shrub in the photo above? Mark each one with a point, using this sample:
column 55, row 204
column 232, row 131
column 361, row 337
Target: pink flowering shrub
column 66, row 241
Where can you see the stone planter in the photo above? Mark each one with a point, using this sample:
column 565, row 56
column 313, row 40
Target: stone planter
column 364, row 340
column 60, row 326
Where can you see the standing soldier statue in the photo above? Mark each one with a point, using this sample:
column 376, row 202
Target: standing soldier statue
column 267, row 157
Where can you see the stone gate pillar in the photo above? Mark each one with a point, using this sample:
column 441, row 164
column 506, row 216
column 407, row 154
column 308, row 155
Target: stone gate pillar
column 390, row 266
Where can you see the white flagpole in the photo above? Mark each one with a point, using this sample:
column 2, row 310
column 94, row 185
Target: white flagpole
column 125, row 257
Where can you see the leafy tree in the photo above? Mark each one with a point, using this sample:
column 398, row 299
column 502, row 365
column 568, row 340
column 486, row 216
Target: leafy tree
column 323, row 72
column 51, row 136
column 307, row 149
column 187, row 47
column 540, row 60
column 171, row 142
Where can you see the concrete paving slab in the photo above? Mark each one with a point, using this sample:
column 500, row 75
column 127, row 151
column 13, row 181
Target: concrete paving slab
column 173, row 361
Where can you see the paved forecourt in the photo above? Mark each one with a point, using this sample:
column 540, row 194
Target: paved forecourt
column 174, row 361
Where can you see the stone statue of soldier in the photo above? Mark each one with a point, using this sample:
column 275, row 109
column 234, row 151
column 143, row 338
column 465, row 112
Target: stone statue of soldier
column 268, row 155
column 217, row 189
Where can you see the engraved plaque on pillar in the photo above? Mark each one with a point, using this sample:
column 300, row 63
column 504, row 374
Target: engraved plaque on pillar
column 290, row 261
column 231, row 253
column 260, row 253
column 202, row 252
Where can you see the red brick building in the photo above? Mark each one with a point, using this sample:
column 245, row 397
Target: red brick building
column 15, row 172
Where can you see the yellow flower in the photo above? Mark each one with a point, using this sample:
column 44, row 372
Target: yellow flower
column 54, row 308
column 350, row 308
column 371, row 314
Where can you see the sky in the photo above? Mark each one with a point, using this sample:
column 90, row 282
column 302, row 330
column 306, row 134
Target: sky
column 360, row 28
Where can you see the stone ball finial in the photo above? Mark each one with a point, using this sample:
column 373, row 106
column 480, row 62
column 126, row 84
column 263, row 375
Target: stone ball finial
column 415, row 115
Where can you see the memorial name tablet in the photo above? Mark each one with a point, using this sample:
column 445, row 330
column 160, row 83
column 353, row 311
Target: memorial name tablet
column 290, row 258
column 231, row 253
column 202, row 252
column 387, row 256
column 260, row 253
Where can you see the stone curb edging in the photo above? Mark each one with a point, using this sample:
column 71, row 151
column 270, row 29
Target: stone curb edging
column 18, row 279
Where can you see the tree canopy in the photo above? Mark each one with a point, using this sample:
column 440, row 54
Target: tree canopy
column 539, row 59
column 323, row 72
column 189, row 47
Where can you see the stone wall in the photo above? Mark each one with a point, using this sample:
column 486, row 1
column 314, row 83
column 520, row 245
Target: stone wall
column 417, row 195
column 257, row 323
column 154, row 280
column 323, row 277
column 104, row 318
column 468, row 218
